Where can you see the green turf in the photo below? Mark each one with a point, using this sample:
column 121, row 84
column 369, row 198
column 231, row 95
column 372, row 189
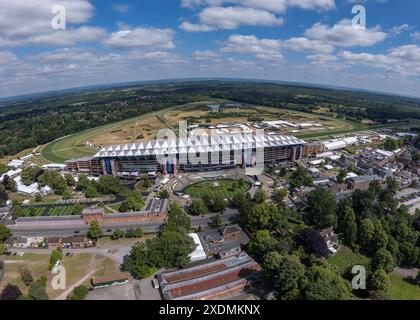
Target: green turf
column 218, row 188
column 346, row 258
column 400, row 289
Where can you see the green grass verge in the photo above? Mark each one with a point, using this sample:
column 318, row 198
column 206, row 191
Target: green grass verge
column 400, row 289
column 346, row 258
column 217, row 188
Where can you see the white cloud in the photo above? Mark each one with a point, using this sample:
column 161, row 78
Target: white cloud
column 205, row 55
column 343, row 34
column 231, row 18
column 192, row 27
column 141, row 38
column 397, row 30
column 122, row 8
column 302, row 44
column 403, row 61
column 277, row 6
column 28, row 22
column 264, row 48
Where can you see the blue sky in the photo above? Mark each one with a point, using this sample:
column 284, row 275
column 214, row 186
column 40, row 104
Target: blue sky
column 114, row 41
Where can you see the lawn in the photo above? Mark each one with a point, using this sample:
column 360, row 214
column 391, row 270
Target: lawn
column 346, row 258
column 400, row 289
column 218, row 188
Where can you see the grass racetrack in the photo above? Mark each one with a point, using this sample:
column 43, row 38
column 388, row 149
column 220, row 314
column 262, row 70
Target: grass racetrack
column 145, row 127
column 217, row 188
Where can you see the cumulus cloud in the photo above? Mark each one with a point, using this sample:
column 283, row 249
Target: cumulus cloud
column 343, row 34
column 403, row 60
column 29, row 23
column 272, row 48
column 278, row 6
column 231, row 18
column 141, row 38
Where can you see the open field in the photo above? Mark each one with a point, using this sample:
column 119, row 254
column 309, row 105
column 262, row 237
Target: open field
column 218, row 188
column 400, row 289
column 346, row 258
column 76, row 266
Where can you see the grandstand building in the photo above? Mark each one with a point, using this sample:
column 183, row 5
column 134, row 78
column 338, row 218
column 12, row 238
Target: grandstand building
column 195, row 153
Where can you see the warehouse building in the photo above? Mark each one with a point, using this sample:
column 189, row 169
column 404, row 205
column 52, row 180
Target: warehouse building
column 209, row 280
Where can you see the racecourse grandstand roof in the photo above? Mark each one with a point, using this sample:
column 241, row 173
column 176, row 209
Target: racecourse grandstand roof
column 203, row 143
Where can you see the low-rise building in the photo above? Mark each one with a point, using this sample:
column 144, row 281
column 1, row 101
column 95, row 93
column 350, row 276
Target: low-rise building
column 223, row 242
column 209, row 280
column 331, row 239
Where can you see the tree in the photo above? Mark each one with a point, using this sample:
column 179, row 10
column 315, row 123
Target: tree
column 82, row 183
column 170, row 249
column 164, row 194
column 37, row 291
column 10, row 292
column 260, row 216
column 347, row 225
column 95, row 231
column 392, row 185
column 134, row 202
column 279, row 196
column 323, row 284
column 3, row 195
column 262, row 243
column 5, row 233
column 77, row 209
column 342, row 175
column 284, row 273
column 322, row 208
column 380, row 238
column 218, row 204
column 3, row 249
column 26, row 276
column 366, row 232
column 390, row 144
column 384, row 260
column 301, row 178
column 67, row 195
column 312, row 242
column 260, row 196
column 38, row 198
column 109, row 185
column 79, row 293
column 56, row 255
column 90, row 192
column 71, row 182
column 117, row 234
column 216, row 221
column 138, row 262
column 177, row 219
column 379, row 281
column 198, row 207
column 134, row 233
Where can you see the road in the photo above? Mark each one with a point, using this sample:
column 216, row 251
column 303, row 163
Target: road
column 148, row 227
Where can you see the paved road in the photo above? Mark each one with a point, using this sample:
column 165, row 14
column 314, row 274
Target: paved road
column 149, row 227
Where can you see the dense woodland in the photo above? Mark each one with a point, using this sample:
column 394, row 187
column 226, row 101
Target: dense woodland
column 30, row 122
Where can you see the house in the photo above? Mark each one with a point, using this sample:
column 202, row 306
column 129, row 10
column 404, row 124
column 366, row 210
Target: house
column 76, row 242
column 223, row 242
column 54, row 242
column 118, row 279
column 331, row 239
column 361, row 182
